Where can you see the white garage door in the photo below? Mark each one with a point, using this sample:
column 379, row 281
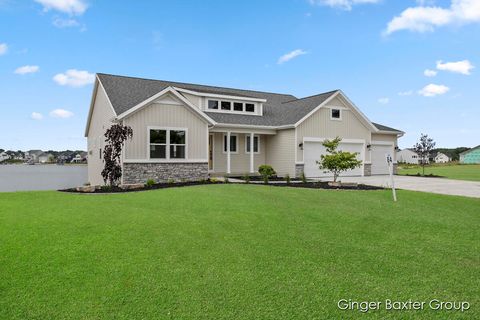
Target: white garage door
column 313, row 150
column 379, row 162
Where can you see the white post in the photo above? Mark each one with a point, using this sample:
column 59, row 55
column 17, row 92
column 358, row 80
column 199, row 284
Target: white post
column 252, row 170
column 228, row 152
column 392, row 182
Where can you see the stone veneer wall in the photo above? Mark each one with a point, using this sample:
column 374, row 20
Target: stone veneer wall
column 162, row 172
column 367, row 169
column 298, row 170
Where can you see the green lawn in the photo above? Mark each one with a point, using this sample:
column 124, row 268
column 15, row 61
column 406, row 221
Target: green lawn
column 459, row 172
column 234, row 252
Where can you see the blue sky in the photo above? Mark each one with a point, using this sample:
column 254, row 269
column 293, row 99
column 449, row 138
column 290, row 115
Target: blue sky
column 412, row 65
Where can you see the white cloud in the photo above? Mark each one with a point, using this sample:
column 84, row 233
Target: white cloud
column 26, row 69
column 406, row 93
column 36, row 116
column 72, row 7
column 429, row 73
column 3, row 48
column 74, row 78
column 432, row 90
column 341, row 4
column 423, row 19
column 61, row 113
column 462, row 67
column 65, row 23
column 291, row 55
column 383, row 100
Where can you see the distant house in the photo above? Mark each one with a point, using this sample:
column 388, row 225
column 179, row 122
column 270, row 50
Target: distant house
column 471, row 156
column 442, row 158
column 44, row 157
column 79, row 158
column 408, row 156
column 32, row 155
column 4, row 156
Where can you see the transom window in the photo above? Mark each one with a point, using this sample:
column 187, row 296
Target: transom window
column 233, row 143
column 336, row 114
column 231, row 106
column 256, row 144
column 212, row 104
column 167, row 143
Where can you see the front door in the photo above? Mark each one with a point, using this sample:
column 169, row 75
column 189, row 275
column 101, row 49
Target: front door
column 210, row 152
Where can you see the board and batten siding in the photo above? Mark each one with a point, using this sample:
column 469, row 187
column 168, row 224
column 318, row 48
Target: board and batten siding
column 281, row 152
column 159, row 114
column 320, row 125
column 101, row 120
column 239, row 162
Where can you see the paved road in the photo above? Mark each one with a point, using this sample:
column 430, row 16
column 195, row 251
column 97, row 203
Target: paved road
column 433, row 185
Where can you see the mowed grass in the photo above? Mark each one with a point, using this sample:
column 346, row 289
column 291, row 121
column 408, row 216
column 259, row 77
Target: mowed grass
column 235, row 252
column 469, row 172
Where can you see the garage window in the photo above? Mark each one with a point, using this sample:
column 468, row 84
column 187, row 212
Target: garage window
column 335, row 114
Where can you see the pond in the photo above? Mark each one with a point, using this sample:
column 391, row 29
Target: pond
column 41, row 177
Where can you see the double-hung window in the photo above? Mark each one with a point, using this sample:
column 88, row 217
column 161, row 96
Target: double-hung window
column 256, row 144
column 233, row 143
column 167, row 143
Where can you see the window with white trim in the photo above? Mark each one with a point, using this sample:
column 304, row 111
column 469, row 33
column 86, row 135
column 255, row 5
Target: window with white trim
column 256, row 144
column 231, row 106
column 168, row 143
column 233, row 143
column 336, row 114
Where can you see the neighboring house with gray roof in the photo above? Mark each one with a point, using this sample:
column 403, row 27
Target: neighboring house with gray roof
column 189, row 131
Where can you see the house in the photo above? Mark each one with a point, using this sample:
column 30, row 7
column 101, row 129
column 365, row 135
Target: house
column 45, row 157
column 441, row 158
column 408, row 156
column 4, row 156
column 32, row 155
column 79, row 158
column 471, row 155
column 187, row 131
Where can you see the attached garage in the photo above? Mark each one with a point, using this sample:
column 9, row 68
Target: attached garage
column 313, row 149
column 379, row 150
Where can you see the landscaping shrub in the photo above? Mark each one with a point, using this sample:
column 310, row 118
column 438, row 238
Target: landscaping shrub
column 246, row 178
column 149, row 183
column 266, row 171
column 303, row 177
column 287, row 178
column 170, row 181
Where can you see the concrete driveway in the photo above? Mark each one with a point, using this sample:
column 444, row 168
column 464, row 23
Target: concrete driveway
column 433, row 185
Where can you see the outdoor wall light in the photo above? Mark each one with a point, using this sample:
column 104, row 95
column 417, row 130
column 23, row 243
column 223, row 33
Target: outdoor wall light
column 300, row 146
column 397, row 148
column 369, row 146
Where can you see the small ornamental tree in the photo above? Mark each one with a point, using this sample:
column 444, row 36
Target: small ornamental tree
column 266, row 171
column 115, row 136
column 337, row 161
column 423, row 148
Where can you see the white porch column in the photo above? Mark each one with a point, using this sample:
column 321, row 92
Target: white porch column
column 228, row 153
column 252, row 169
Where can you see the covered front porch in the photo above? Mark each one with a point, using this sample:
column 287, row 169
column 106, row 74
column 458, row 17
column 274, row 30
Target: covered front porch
column 229, row 151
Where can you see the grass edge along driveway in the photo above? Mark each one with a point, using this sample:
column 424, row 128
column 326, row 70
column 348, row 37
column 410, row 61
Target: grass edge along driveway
column 234, row 252
column 469, row 172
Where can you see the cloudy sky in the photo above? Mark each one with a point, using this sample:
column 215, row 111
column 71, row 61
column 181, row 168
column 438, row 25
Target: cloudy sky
column 412, row 65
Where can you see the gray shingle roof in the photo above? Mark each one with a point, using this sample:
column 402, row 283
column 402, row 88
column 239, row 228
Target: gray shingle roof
column 385, row 128
column 278, row 110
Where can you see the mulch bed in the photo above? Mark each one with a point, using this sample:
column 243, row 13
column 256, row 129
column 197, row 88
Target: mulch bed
column 325, row 185
column 309, row 185
column 260, row 178
column 425, row 176
column 153, row 187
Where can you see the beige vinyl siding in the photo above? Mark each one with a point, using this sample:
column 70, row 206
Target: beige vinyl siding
column 102, row 116
column 319, row 125
column 240, row 162
column 387, row 137
column 195, row 100
column 281, row 152
column 168, row 116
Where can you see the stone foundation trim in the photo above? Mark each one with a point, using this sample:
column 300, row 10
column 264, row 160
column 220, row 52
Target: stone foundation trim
column 164, row 172
column 299, row 170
